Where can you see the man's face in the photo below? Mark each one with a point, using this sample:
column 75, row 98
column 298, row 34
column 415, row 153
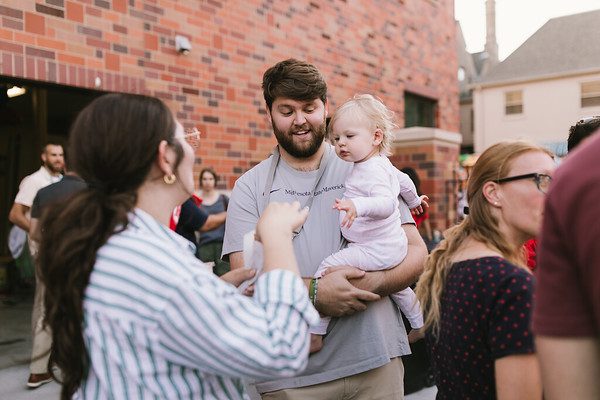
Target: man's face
column 53, row 158
column 299, row 126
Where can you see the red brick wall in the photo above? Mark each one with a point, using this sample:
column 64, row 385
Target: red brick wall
column 435, row 162
column 380, row 47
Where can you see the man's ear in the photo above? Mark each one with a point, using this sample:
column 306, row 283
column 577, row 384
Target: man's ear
column 326, row 108
column 492, row 193
column 377, row 137
column 269, row 117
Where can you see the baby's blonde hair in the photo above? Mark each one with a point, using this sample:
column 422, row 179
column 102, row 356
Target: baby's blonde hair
column 377, row 114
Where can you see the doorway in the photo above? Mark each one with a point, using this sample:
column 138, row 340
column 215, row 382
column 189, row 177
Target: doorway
column 37, row 114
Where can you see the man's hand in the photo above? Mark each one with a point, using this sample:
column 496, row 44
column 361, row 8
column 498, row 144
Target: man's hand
column 337, row 297
column 415, row 335
column 237, row 276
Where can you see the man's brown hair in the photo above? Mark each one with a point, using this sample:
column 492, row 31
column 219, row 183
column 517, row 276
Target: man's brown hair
column 293, row 79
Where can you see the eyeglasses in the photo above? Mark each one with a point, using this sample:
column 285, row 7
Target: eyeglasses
column 192, row 136
column 587, row 120
column 542, row 181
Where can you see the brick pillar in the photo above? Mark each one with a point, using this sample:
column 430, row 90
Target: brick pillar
column 433, row 153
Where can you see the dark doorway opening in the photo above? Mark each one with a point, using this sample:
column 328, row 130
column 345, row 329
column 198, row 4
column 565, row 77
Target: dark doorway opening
column 42, row 113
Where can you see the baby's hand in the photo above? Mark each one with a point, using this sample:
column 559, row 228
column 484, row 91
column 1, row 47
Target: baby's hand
column 349, row 208
column 420, row 209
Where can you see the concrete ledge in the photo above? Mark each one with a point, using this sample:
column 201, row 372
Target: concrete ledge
column 419, row 134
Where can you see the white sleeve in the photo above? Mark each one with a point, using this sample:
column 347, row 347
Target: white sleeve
column 27, row 191
column 408, row 191
column 380, row 200
column 209, row 326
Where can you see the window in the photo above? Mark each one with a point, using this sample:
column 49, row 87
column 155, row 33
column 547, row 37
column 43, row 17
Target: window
column 419, row 111
column 462, row 74
column 590, row 94
column 514, row 102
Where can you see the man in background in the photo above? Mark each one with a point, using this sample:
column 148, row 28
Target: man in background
column 53, row 163
column 50, row 172
column 566, row 319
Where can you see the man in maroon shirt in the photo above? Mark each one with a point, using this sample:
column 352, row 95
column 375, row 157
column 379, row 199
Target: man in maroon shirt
column 566, row 317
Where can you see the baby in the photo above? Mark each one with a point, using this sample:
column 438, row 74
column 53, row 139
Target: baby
column 361, row 130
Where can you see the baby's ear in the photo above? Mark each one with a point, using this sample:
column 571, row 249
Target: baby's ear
column 377, row 137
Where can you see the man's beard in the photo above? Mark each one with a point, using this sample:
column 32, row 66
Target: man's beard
column 52, row 168
column 307, row 149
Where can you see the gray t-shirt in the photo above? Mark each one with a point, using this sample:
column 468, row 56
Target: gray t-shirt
column 353, row 344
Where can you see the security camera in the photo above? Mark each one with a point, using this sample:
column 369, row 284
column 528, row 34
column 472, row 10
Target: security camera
column 182, row 44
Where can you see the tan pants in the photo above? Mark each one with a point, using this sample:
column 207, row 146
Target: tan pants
column 383, row 383
column 42, row 338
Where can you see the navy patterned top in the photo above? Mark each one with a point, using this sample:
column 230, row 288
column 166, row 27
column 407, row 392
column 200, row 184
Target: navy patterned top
column 486, row 314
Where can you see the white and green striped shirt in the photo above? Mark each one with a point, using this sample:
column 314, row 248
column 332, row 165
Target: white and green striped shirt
column 158, row 324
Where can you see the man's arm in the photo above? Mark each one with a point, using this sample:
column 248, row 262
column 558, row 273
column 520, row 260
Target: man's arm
column 398, row 278
column 18, row 216
column 518, row 377
column 214, row 221
column 570, row 367
column 344, row 290
column 236, row 260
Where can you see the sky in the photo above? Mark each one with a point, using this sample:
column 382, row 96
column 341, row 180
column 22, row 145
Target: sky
column 516, row 20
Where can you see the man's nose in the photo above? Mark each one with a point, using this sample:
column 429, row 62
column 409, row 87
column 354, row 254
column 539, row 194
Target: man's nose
column 299, row 118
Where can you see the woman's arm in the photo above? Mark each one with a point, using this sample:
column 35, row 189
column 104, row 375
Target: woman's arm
column 518, row 377
column 214, row 221
column 210, row 326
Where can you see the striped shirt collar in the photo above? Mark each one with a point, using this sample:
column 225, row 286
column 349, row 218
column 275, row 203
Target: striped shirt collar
column 142, row 221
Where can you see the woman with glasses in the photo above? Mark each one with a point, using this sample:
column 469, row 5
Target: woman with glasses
column 476, row 292
column 133, row 313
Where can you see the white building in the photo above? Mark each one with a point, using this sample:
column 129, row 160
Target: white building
column 472, row 67
column 542, row 88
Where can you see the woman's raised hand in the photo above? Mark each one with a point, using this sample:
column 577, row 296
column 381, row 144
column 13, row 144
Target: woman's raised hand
column 280, row 220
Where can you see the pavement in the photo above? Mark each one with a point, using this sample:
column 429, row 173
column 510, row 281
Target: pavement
column 15, row 350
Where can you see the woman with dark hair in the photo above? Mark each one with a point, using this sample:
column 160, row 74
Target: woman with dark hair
column 210, row 244
column 133, row 313
column 421, row 220
column 476, row 291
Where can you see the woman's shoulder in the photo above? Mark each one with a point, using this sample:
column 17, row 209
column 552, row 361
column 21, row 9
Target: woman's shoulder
column 495, row 270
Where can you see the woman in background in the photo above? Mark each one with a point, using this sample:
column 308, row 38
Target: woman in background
column 476, row 291
column 421, row 220
column 210, row 243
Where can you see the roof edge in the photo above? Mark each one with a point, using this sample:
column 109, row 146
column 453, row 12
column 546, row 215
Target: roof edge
column 534, row 78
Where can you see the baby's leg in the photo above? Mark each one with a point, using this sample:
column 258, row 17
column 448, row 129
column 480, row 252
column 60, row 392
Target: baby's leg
column 409, row 305
column 349, row 256
column 359, row 256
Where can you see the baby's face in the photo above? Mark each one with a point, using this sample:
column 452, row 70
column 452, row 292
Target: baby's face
column 354, row 138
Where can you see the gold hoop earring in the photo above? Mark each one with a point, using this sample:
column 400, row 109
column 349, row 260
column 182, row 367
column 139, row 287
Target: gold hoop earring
column 169, row 179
